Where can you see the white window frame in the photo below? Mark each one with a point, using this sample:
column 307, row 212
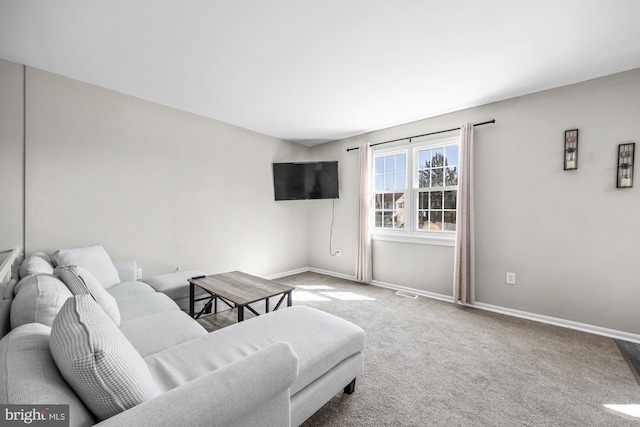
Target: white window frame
column 406, row 189
column 411, row 233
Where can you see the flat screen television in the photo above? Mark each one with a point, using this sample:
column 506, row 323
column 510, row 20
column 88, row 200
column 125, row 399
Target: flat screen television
column 303, row 181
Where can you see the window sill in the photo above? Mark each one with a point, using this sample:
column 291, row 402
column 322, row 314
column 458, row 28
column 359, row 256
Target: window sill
column 421, row 240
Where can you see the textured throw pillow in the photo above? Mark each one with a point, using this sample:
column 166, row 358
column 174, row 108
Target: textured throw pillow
column 80, row 281
column 96, row 359
column 28, row 375
column 36, row 263
column 38, row 299
column 94, row 258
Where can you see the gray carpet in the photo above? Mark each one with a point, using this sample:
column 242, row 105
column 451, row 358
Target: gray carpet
column 433, row 363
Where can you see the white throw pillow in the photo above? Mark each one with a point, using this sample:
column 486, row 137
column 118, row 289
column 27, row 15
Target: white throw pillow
column 80, row 281
column 36, row 263
column 96, row 359
column 38, row 300
column 94, row 258
column 29, row 374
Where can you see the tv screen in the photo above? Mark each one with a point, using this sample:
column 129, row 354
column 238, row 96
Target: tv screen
column 309, row 180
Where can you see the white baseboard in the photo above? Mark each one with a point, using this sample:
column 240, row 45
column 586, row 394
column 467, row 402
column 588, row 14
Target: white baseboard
column 287, row 273
column 584, row 327
column 334, row 274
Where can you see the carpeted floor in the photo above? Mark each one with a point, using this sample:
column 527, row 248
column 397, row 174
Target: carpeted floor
column 432, row 363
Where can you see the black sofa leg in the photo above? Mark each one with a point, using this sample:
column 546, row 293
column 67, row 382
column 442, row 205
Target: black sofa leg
column 351, row 387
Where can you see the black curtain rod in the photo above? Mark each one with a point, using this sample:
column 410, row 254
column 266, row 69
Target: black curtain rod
column 424, row 134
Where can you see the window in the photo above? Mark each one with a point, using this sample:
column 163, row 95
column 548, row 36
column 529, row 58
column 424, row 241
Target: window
column 390, row 175
column 437, row 187
column 416, row 190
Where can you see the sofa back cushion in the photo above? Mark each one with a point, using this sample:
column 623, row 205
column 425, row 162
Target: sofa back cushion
column 38, row 299
column 94, row 258
column 36, row 263
column 97, row 360
column 5, row 308
column 29, row 376
column 80, row 281
column 9, row 289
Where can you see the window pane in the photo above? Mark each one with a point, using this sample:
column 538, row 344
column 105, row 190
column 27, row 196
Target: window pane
column 401, row 162
column 388, row 220
column 389, row 164
column 451, row 153
column 423, row 158
column 379, row 182
column 389, row 181
column 451, row 176
column 379, row 165
column 437, row 157
column 436, row 220
column 450, row 220
column 437, row 177
column 423, row 220
column 378, row 201
column 423, row 200
column 389, row 210
column 401, row 179
column 436, row 200
column 450, row 199
column 388, row 201
column 424, row 178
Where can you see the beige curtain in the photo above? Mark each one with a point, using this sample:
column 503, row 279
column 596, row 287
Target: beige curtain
column 364, row 265
column 464, row 275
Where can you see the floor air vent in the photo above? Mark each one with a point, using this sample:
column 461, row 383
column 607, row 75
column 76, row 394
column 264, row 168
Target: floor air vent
column 407, row 294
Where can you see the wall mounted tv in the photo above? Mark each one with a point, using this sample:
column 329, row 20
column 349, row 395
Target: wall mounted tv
column 308, row 180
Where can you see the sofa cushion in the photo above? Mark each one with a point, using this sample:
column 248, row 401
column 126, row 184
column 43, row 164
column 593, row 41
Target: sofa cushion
column 175, row 285
column 36, row 263
column 126, row 269
column 80, row 281
column 127, row 289
column 97, row 360
column 174, row 327
column 39, row 298
column 94, row 258
column 9, row 289
column 5, row 308
column 5, row 317
column 333, row 340
column 29, row 376
column 135, row 306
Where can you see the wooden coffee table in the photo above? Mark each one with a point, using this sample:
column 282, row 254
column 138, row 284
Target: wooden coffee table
column 237, row 290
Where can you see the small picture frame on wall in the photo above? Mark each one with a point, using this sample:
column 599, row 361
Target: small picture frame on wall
column 626, row 154
column 571, row 149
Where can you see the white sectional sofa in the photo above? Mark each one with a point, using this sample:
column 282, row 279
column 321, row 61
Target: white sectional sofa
column 120, row 353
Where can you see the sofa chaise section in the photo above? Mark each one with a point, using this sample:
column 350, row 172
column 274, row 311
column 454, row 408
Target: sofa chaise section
column 329, row 351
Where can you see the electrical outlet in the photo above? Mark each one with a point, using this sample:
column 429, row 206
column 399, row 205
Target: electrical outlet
column 511, row 278
column 338, row 253
column 138, row 273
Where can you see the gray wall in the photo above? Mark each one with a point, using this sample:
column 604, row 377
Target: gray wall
column 11, row 155
column 164, row 187
column 570, row 236
column 172, row 189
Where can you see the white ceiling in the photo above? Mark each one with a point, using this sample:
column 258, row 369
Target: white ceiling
column 312, row 71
